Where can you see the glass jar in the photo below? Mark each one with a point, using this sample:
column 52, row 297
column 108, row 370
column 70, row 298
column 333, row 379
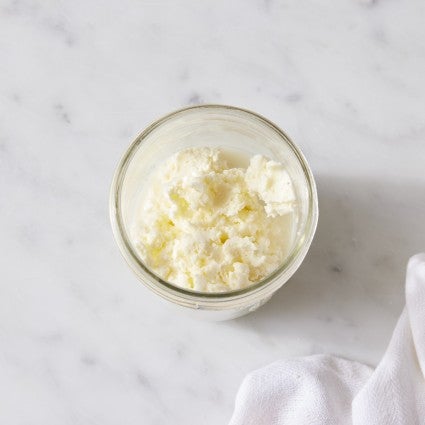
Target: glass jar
column 223, row 127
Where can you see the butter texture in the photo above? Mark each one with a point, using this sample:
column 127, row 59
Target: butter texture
column 205, row 226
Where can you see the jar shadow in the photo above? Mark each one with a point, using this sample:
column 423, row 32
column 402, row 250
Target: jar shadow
column 350, row 288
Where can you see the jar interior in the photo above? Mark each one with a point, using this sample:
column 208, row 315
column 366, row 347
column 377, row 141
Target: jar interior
column 217, row 127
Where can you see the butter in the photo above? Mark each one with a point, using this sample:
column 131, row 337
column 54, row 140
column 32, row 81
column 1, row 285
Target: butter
column 208, row 227
column 272, row 184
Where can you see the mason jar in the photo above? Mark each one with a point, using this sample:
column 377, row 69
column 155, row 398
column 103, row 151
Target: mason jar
column 215, row 126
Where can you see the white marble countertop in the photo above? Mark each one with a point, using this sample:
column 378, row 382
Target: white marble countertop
column 81, row 341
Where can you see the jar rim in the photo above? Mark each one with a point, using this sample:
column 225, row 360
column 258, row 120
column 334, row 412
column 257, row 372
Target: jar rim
column 189, row 297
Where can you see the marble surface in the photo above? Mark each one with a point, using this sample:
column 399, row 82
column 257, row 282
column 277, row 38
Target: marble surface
column 81, row 342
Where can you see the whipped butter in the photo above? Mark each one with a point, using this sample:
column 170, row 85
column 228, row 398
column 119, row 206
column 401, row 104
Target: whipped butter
column 210, row 227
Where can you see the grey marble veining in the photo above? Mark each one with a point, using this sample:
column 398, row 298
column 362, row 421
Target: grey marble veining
column 81, row 342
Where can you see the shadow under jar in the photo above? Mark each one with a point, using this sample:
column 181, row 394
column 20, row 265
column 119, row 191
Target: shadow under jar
column 228, row 128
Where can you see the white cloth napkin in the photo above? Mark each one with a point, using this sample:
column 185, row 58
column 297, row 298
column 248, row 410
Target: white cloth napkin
column 329, row 390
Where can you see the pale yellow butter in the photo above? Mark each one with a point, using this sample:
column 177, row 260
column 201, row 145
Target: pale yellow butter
column 211, row 228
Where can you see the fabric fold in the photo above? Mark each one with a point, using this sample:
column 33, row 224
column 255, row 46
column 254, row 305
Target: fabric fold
column 325, row 389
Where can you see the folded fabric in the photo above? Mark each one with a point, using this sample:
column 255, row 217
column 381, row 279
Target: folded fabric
column 329, row 390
